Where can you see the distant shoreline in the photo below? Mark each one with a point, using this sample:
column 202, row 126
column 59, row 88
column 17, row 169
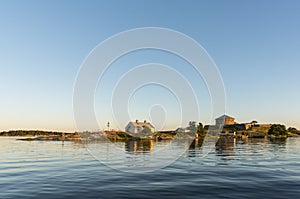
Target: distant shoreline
column 33, row 133
column 39, row 135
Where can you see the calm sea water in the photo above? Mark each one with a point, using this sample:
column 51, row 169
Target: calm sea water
column 257, row 168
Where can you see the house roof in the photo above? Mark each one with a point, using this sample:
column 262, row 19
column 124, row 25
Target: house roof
column 224, row 116
column 142, row 124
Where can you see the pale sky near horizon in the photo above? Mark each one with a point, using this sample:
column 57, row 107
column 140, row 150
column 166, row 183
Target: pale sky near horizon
column 255, row 45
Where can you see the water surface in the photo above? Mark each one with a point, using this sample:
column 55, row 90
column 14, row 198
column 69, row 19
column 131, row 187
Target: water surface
column 253, row 168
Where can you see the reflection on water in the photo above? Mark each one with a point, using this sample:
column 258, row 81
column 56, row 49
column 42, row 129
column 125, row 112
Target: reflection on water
column 247, row 149
column 229, row 143
column 196, row 144
column 278, row 141
column 236, row 168
column 225, row 146
column 139, row 146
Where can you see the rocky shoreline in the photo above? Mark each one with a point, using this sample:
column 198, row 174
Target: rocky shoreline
column 37, row 135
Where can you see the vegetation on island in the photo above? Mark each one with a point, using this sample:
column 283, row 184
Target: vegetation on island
column 117, row 136
column 201, row 131
column 278, row 130
column 260, row 131
column 30, row 133
column 164, row 135
column 193, row 130
column 42, row 135
column 293, row 130
column 256, row 131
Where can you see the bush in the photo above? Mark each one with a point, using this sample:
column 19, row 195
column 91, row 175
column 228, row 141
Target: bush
column 293, row 130
column 200, row 130
column 277, row 130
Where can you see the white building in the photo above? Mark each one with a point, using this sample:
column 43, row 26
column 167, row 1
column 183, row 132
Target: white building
column 138, row 127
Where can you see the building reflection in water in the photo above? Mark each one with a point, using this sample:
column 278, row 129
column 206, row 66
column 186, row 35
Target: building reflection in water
column 225, row 146
column 139, row 146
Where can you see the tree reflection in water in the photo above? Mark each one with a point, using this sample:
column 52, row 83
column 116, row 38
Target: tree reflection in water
column 279, row 141
column 195, row 147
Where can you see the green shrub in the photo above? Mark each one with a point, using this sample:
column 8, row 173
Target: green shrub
column 277, row 130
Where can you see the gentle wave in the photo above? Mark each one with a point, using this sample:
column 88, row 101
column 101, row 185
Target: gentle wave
column 259, row 168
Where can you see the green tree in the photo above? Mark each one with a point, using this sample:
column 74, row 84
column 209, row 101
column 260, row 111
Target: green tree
column 200, row 130
column 277, row 130
column 192, row 126
column 292, row 130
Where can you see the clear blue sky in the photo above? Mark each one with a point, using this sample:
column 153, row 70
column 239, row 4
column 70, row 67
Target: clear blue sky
column 255, row 45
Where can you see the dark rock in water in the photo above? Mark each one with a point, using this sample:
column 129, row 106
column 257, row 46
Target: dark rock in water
column 51, row 138
column 27, row 139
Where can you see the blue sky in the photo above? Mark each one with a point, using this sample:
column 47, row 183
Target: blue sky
column 255, row 45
